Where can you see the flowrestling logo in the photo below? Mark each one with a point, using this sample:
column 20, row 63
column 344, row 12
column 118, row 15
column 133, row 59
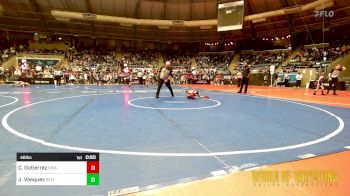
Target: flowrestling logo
column 323, row 13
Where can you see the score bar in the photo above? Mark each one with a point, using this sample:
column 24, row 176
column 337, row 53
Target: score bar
column 58, row 169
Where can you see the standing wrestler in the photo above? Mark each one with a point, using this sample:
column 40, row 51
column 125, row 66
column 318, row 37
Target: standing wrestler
column 334, row 78
column 164, row 76
column 320, row 84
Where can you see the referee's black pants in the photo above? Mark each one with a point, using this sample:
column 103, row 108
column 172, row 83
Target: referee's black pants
column 239, row 82
column 167, row 84
column 244, row 82
column 58, row 80
column 333, row 83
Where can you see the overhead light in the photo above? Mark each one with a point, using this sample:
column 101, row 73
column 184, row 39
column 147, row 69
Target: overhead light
column 163, row 27
column 292, row 9
column 60, row 38
column 126, row 25
column 326, row 29
column 64, row 19
column 89, row 16
column 205, row 27
column 177, row 22
column 325, row 6
column 259, row 20
column 2, row 9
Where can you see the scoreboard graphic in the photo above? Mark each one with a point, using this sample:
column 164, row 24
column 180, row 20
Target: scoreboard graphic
column 58, row 169
column 230, row 16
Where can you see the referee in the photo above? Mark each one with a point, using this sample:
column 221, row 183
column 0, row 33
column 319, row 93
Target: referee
column 245, row 78
column 164, row 76
column 335, row 78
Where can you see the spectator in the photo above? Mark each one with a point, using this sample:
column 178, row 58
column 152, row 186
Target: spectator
column 298, row 77
column 265, row 79
column 58, row 76
column 140, row 77
column 286, row 80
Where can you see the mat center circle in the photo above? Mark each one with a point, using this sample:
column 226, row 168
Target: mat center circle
column 173, row 103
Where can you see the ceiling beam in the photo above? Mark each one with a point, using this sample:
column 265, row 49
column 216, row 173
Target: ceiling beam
column 191, row 14
column 252, row 28
column 14, row 18
column 2, row 9
column 288, row 18
column 92, row 25
column 163, row 34
column 191, row 10
column 116, row 35
column 37, row 9
column 164, row 9
column 205, row 10
column 136, row 15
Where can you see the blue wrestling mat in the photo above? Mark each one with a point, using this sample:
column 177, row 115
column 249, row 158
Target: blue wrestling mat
column 149, row 142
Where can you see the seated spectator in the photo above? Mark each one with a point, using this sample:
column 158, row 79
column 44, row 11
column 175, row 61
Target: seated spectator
column 38, row 68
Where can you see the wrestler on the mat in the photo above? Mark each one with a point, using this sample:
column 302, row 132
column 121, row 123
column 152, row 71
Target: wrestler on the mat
column 193, row 94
